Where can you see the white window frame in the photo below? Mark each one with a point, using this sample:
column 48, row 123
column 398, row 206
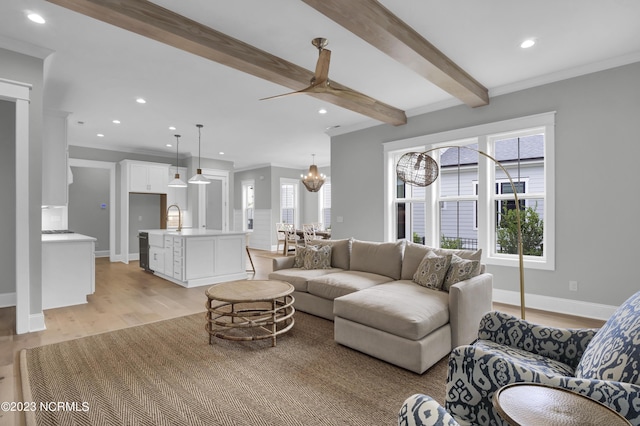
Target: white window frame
column 245, row 188
column 484, row 134
column 296, row 199
column 321, row 206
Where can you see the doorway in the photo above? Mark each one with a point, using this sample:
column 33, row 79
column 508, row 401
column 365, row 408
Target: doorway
column 102, row 206
column 213, row 201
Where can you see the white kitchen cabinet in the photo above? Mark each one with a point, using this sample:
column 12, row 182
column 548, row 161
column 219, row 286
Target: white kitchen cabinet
column 168, row 255
column 68, row 269
column 178, row 195
column 55, row 164
column 146, row 177
column 156, row 259
column 197, row 257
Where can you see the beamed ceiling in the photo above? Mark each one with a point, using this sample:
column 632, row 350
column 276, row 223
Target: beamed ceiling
column 211, row 62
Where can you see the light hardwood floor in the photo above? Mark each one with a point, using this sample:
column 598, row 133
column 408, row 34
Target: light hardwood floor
column 127, row 296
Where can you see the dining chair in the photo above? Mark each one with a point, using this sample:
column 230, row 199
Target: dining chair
column 308, row 233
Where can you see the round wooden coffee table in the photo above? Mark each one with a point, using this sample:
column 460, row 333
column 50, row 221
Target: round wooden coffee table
column 535, row 404
column 249, row 310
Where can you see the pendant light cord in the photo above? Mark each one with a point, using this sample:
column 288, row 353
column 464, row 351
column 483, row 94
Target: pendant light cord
column 177, row 144
column 199, row 126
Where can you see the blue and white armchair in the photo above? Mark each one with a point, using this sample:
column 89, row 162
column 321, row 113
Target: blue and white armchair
column 602, row 364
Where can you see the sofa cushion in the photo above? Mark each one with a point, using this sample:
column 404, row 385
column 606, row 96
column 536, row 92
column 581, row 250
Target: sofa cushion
column 340, row 251
column 614, row 352
column 298, row 278
column 432, row 270
column 317, row 257
column 402, row 308
column 377, row 258
column 460, row 270
column 340, row 283
column 414, row 253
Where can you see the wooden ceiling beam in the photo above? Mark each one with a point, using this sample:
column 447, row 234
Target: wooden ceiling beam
column 150, row 20
column 375, row 24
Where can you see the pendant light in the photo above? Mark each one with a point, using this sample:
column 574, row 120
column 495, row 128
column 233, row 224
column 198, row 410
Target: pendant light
column 198, row 178
column 177, row 182
column 313, row 180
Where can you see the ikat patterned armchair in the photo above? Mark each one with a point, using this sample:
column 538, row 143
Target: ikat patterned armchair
column 602, row 364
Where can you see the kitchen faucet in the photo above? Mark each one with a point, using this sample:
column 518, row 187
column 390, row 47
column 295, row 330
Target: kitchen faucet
column 179, row 216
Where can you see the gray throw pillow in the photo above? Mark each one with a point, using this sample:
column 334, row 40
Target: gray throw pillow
column 460, row 270
column 432, row 270
column 317, row 257
column 298, row 262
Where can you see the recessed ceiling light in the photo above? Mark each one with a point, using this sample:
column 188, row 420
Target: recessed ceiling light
column 528, row 43
column 100, row 135
column 172, row 127
column 168, row 145
column 141, row 101
column 221, row 153
column 36, row 18
column 116, row 121
column 322, row 111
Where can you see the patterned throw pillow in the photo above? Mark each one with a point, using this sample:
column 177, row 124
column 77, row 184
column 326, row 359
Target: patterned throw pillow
column 317, row 257
column 432, row 270
column 460, row 270
column 298, row 262
column 614, row 352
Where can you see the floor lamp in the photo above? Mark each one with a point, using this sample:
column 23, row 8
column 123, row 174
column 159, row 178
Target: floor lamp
column 420, row 169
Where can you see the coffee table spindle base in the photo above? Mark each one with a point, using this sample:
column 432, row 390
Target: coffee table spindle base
column 249, row 310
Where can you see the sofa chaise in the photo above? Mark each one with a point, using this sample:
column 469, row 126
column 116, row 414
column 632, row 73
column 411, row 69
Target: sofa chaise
column 370, row 291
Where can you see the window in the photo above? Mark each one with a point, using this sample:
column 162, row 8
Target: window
column 471, row 204
column 288, row 201
column 248, row 204
column 325, row 205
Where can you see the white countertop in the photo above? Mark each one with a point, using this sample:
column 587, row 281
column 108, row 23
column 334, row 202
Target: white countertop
column 65, row 238
column 191, row 232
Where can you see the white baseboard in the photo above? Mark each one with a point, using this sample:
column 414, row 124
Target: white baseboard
column 103, row 253
column 555, row 304
column 36, row 322
column 134, row 256
column 7, row 300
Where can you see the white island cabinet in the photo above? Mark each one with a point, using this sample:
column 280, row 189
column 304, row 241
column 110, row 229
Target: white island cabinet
column 197, row 257
column 68, row 269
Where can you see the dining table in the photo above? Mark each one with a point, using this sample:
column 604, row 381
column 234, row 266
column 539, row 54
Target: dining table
column 325, row 235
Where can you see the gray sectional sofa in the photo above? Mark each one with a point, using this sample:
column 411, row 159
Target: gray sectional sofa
column 368, row 290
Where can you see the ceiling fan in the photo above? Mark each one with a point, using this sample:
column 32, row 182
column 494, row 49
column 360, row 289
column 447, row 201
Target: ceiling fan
column 320, row 82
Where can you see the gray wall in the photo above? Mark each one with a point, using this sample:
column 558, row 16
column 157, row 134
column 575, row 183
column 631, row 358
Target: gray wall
column 8, row 196
column 144, row 213
column 27, row 69
column 596, row 154
column 88, row 192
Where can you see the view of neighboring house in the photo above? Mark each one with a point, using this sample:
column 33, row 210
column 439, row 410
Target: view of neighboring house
column 457, row 190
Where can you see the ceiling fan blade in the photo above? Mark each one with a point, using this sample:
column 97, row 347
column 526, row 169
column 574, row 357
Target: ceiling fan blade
column 311, row 89
column 349, row 94
column 322, row 66
column 299, row 92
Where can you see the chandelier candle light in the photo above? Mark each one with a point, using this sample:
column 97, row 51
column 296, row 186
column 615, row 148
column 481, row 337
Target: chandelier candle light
column 313, row 180
column 198, row 178
column 177, row 182
column 420, row 169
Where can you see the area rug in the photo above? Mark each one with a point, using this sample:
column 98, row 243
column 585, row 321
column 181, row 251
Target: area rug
column 166, row 373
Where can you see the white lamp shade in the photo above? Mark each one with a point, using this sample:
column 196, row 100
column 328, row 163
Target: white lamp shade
column 177, row 182
column 198, row 179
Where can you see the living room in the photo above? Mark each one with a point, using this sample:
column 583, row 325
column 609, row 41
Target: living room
column 595, row 108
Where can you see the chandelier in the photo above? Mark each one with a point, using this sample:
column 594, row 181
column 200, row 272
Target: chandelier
column 313, row 180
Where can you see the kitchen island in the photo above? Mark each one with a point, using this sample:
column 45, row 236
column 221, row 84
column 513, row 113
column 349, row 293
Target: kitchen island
column 68, row 269
column 197, row 257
